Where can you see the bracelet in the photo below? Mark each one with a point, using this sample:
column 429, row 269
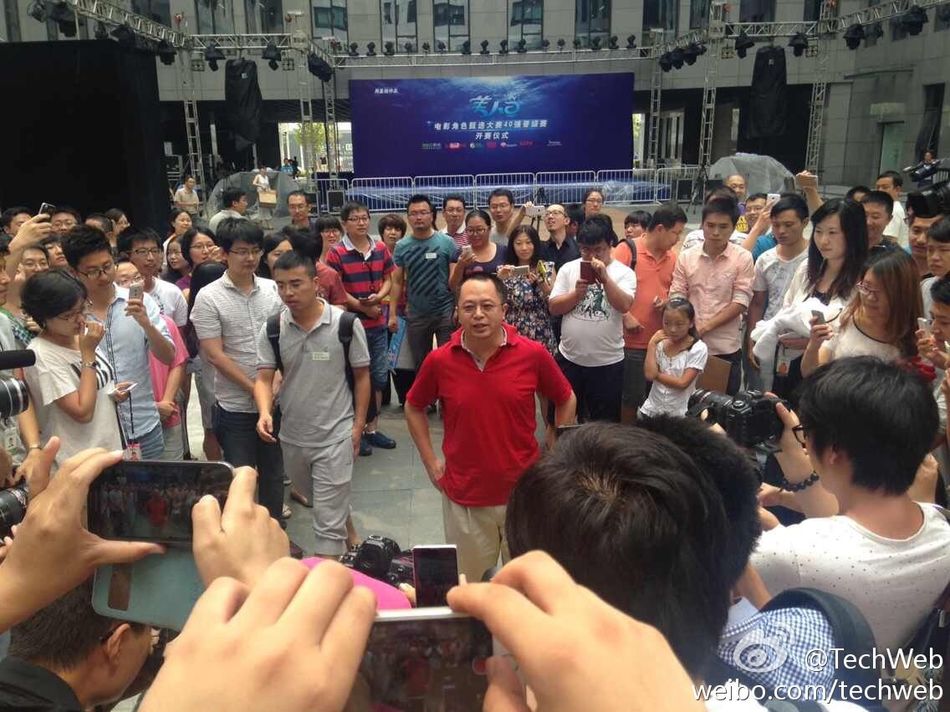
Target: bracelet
column 88, row 364
column 799, row 486
column 34, row 447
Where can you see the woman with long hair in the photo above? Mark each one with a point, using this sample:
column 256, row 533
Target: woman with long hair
column 198, row 245
column 881, row 322
column 528, row 290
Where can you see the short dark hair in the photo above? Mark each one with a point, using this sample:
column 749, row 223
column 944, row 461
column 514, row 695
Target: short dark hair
column 896, row 177
column 638, row 217
column 64, row 633
column 189, row 237
column 940, row 291
column 502, row 193
column 5, row 245
column 757, row 196
column 201, row 276
column 229, row 196
column 353, row 206
column 575, row 214
column 6, row 217
column 647, row 530
column 307, row 243
column 720, row 191
column 879, row 197
column 722, row 206
column 295, row 193
column 51, row 293
column 597, row 228
column 848, row 405
column 293, row 260
column 667, row 215
column 393, row 220
column 456, row 197
column 327, row 222
column 487, row 277
column 84, row 240
column 231, row 230
column 50, row 240
column 67, row 209
column 481, row 215
column 114, row 214
column 940, row 230
column 102, row 222
column 421, row 198
column 590, row 191
column 855, row 228
column 132, row 234
column 855, row 190
column 790, row 201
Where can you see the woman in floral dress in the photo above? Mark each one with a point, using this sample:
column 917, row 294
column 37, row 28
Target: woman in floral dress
column 528, row 289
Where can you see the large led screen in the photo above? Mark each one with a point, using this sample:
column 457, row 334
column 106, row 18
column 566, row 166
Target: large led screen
column 468, row 125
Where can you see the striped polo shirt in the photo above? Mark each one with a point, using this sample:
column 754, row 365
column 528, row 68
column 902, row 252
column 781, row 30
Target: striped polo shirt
column 362, row 274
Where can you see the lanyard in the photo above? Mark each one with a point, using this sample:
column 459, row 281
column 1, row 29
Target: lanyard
column 127, row 436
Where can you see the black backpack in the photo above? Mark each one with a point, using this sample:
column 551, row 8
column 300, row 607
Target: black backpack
column 632, row 246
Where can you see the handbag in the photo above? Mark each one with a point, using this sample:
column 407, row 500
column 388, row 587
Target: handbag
column 267, row 198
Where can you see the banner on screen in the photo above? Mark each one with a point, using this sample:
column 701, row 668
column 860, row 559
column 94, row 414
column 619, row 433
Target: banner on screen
column 466, row 125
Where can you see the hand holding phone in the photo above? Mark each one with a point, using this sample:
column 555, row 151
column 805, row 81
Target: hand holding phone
column 520, row 270
column 47, row 209
column 137, row 291
column 817, row 317
column 923, row 324
column 588, row 274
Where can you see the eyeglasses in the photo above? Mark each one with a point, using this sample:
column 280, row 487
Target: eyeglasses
column 244, row 254
column 35, row 264
column 800, row 434
column 71, row 316
column 147, row 252
column 203, row 246
column 554, row 212
column 420, row 213
column 595, row 201
column 96, row 272
column 359, row 219
column 476, row 230
column 487, row 308
column 869, row 292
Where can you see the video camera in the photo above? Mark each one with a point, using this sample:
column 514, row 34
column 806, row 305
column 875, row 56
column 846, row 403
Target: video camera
column 748, row 417
column 382, row 559
column 14, row 399
column 931, row 202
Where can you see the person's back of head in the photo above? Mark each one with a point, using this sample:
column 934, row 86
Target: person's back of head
column 307, row 243
column 857, row 193
column 70, row 639
column 632, row 517
column 576, row 216
column 201, row 276
column 882, row 417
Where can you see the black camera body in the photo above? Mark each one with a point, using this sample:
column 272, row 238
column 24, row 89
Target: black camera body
column 748, row 417
column 382, row 559
column 930, row 202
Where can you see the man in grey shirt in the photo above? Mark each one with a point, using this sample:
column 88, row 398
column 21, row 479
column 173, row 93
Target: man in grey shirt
column 320, row 428
column 234, row 201
column 227, row 315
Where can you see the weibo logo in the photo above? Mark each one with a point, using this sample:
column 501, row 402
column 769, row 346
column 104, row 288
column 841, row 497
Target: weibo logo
column 487, row 105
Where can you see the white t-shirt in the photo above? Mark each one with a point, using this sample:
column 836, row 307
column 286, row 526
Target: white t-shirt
column 773, row 275
column 171, row 302
column 56, row 373
column 663, row 399
column 592, row 332
column 897, row 227
column 849, row 340
column 261, row 182
column 893, row 582
column 696, row 237
column 925, row 295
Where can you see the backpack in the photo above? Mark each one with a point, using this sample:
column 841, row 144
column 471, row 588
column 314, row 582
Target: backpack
column 812, row 619
column 632, row 246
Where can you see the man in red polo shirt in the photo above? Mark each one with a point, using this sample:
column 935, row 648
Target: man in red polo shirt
column 486, row 378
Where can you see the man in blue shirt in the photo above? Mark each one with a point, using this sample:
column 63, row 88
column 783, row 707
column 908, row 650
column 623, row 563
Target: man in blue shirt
column 134, row 328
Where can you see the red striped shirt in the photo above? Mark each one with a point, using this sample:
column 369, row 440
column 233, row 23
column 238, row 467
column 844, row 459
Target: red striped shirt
column 362, row 275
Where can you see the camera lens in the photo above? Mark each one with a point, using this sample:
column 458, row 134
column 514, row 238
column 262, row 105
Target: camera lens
column 14, row 397
column 13, row 503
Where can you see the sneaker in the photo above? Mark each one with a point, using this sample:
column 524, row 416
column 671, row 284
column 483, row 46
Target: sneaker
column 287, row 481
column 287, row 512
column 379, row 440
column 365, row 448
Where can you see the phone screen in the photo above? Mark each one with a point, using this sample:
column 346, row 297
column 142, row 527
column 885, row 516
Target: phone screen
column 435, row 664
column 136, row 291
column 152, row 501
column 587, row 272
column 435, row 571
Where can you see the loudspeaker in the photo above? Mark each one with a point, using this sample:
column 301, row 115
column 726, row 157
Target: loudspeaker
column 767, row 95
column 335, row 200
column 243, row 101
column 683, row 190
column 86, row 129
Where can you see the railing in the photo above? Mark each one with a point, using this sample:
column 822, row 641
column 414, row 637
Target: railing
column 630, row 186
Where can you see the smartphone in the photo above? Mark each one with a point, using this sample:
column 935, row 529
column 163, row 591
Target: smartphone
column 136, row 291
column 151, row 500
column 520, row 270
column 435, row 569
column 923, row 324
column 424, row 659
column 773, row 197
column 466, row 251
column 587, row 272
column 127, row 388
column 47, row 208
column 818, row 316
column 534, row 211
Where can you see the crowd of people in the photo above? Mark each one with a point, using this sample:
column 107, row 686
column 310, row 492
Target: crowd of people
column 664, row 540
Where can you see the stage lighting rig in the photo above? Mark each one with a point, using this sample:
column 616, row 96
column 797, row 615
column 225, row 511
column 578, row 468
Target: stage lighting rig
column 691, row 53
column 743, row 44
column 798, row 43
column 914, row 19
column 666, row 64
column 389, row 49
column 876, row 31
column 319, row 67
column 273, row 55
column 126, row 38
column 466, row 47
column 631, row 42
column 853, row 35
column 167, row 53
column 37, row 10
column 440, row 46
column 522, row 46
column 677, row 57
column 370, row 49
column 614, row 43
column 503, row 47
column 354, row 50
column 64, row 17
column 484, row 44
column 101, row 32
column 213, row 53
column 595, row 44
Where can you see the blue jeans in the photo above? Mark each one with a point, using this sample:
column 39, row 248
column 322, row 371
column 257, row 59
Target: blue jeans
column 153, row 443
column 377, row 341
column 237, row 433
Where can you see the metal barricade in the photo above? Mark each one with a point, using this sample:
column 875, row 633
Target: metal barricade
column 564, row 187
column 382, row 195
column 667, row 180
column 520, row 184
column 438, row 188
column 322, row 187
column 628, row 186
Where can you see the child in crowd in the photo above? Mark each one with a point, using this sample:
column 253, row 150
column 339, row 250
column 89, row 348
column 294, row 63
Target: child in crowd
column 675, row 358
column 635, row 224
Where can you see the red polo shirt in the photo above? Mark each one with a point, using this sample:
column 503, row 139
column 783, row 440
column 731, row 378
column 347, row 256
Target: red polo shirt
column 489, row 414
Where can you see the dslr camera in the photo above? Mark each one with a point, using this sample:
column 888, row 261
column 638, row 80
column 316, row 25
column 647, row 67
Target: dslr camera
column 381, row 558
column 748, row 417
column 14, row 399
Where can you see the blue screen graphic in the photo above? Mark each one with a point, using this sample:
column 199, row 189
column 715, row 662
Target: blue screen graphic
column 468, row 125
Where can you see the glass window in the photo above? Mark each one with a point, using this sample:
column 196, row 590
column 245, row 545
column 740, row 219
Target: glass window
column 757, row 11
column 660, row 15
column 398, row 19
column 329, row 19
column 698, row 14
column 264, row 15
column 592, row 19
column 450, row 21
column 156, row 10
column 525, row 22
column 812, row 10
column 215, row 17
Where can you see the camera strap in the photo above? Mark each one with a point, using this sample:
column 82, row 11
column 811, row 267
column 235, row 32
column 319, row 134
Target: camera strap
column 132, row 449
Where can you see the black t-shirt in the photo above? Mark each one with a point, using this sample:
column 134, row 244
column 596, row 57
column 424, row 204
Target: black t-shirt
column 24, row 686
column 567, row 252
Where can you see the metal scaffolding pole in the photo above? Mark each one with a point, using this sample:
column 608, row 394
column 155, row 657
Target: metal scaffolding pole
column 307, row 132
column 333, row 138
column 816, row 113
column 707, row 122
column 656, row 100
column 192, row 128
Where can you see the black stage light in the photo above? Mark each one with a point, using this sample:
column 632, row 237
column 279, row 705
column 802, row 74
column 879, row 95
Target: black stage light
column 876, row 30
column 914, row 20
column 577, row 43
column 743, row 44
column 37, row 10
column 614, row 43
column 631, row 42
column 426, row 47
column 798, row 43
column 101, row 33
column 389, row 49
column 466, row 47
column 690, row 53
column 853, row 35
column 319, row 67
column 354, row 50
column 440, row 45
column 125, row 36
column 503, row 47
column 273, row 54
column 63, row 15
column 484, row 44
column 595, row 44
column 545, row 43
column 167, row 53
column 677, row 57
column 522, row 46
column 560, row 44
column 408, row 47
column 213, row 53
column 666, row 63
column 370, row 49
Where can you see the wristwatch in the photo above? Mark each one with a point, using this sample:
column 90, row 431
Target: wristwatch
column 88, row 364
